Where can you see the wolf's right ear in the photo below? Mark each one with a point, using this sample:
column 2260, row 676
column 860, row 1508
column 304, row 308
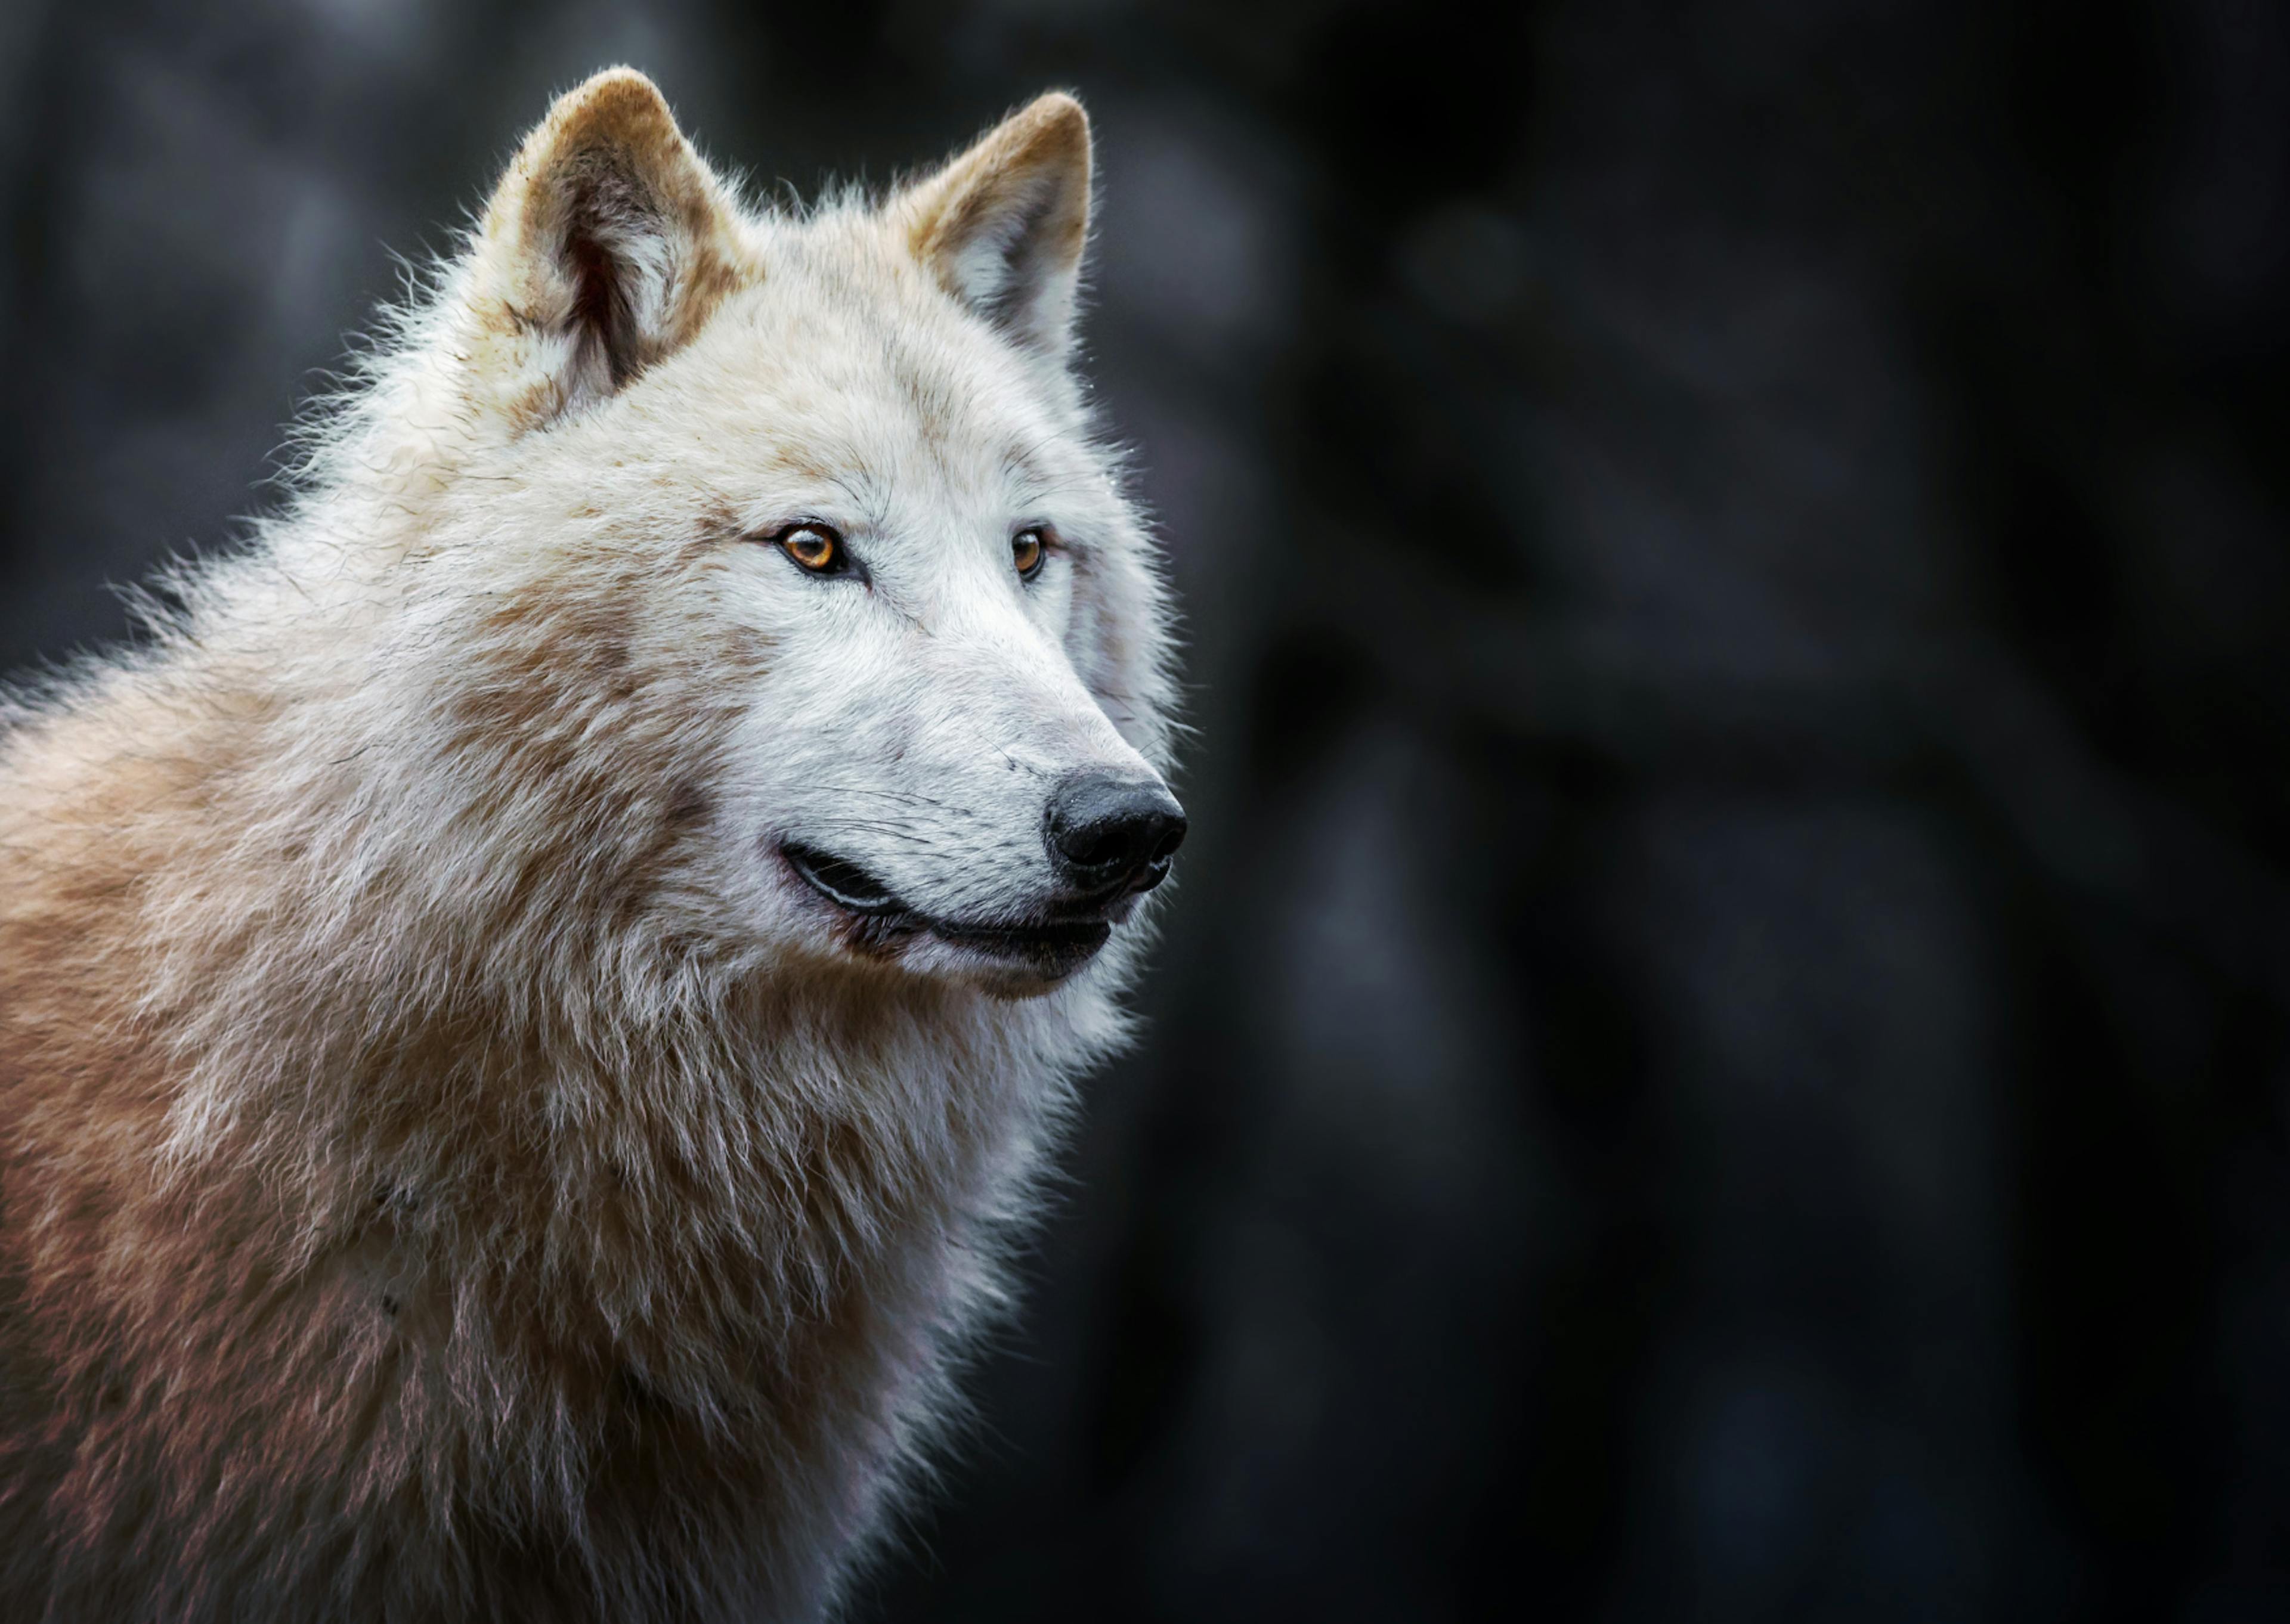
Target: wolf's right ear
column 606, row 245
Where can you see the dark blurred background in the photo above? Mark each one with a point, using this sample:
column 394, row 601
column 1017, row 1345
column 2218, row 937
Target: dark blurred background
column 1721, row 1053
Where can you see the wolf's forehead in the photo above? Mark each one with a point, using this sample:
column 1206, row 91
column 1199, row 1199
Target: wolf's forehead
column 875, row 374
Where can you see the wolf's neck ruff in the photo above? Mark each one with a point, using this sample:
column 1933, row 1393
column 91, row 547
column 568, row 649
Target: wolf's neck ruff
column 468, row 1156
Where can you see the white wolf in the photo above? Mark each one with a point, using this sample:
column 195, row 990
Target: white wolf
column 527, row 1010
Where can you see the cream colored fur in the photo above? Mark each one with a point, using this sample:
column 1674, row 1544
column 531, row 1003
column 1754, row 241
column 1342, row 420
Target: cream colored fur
column 450, row 1168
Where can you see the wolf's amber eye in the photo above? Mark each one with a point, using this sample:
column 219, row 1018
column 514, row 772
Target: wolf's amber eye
column 815, row 547
column 1027, row 551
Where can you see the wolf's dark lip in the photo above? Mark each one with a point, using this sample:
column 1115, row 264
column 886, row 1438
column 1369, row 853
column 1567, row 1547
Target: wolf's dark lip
column 1050, row 945
column 847, row 885
column 1057, row 948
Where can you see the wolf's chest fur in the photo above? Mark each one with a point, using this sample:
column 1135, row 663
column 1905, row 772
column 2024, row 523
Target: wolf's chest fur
column 620, row 1336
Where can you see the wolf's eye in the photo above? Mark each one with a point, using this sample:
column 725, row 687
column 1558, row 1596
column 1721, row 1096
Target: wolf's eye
column 1028, row 548
column 815, row 546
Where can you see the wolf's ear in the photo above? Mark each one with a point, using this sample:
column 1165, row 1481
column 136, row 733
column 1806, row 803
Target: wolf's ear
column 606, row 245
column 1002, row 227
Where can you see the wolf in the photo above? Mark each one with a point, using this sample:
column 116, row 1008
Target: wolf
column 532, row 1000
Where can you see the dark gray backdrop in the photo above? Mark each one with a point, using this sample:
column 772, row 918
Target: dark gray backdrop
column 1721, row 1053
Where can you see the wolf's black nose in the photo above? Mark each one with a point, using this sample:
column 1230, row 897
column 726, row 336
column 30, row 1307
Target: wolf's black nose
column 1111, row 833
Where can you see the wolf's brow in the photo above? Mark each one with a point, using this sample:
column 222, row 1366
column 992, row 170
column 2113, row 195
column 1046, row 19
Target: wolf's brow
column 1021, row 461
column 868, row 491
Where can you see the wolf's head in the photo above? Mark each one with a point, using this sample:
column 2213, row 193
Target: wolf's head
column 778, row 565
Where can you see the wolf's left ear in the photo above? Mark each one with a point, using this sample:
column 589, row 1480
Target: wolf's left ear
column 1002, row 227
column 606, row 245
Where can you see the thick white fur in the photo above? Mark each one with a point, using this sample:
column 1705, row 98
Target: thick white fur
column 452, row 1168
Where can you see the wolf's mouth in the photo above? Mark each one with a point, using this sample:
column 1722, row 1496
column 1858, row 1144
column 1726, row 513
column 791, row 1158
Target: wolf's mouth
column 877, row 922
